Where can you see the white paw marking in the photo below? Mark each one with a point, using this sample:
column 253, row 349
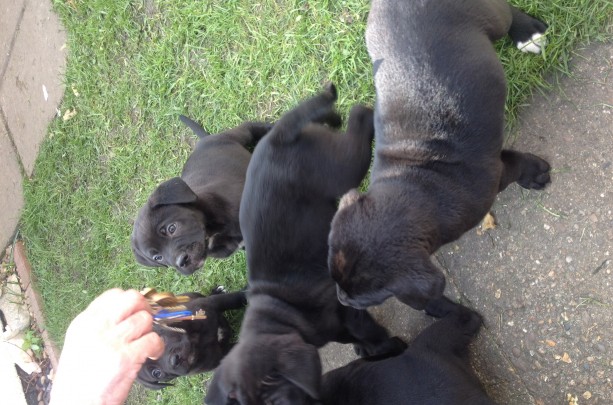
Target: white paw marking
column 241, row 245
column 534, row 45
column 221, row 289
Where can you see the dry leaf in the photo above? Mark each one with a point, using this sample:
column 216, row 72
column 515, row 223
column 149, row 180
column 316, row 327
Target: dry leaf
column 69, row 114
column 550, row 343
column 74, row 90
column 566, row 358
column 587, row 395
column 489, row 222
column 572, row 400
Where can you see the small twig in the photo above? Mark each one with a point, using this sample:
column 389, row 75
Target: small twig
column 585, row 301
column 547, row 210
column 601, row 266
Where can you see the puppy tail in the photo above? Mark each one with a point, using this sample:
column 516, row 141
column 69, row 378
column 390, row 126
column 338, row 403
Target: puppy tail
column 194, row 126
column 314, row 109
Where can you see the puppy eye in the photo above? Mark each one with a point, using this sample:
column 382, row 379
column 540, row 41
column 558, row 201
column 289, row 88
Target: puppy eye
column 172, row 228
column 158, row 258
column 156, row 373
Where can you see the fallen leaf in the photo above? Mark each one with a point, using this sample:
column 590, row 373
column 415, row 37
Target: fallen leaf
column 74, row 90
column 587, row 395
column 69, row 114
column 498, row 293
column 550, row 343
column 566, row 358
column 489, row 222
column 572, row 400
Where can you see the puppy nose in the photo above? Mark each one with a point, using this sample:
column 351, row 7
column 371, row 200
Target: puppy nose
column 182, row 260
column 175, row 360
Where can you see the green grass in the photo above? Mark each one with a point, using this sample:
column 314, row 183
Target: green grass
column 136, row 65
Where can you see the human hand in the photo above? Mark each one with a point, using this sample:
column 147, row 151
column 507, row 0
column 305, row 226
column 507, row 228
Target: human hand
column 104, row 349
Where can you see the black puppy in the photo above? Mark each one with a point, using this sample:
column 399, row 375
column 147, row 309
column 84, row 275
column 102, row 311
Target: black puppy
column 194, row 216
column 434, row 370
column 193, row 347
column 297, row 173
column 439, row 161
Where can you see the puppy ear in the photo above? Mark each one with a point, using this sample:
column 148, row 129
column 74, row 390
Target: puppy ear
column 420, row 283
column 349, row 198
column 173, row 191
column 299, row 363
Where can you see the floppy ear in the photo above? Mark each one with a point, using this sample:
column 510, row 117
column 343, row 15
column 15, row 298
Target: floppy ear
column 349, row 198
column 420, row 283
column 299, row 363
column 173, row 191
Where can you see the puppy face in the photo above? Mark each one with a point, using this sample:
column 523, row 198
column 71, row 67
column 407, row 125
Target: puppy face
column 269, row 369
column 184, row 354
column 169, row 231
column 376, row 251
column 170, row 236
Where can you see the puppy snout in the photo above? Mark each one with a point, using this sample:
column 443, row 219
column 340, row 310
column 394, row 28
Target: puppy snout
column 175, row 359
column 182, row 260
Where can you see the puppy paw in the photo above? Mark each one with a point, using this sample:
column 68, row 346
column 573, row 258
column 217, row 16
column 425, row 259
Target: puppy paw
column 330, row 89
column 441, row 307
column 469, row 322
column 527, row 32
column 389, row 348
column 535, row 44
column 220, row 289
column 535, row 173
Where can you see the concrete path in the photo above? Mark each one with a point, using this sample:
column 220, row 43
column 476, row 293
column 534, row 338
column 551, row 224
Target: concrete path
column 32, row 60
column 543, row 277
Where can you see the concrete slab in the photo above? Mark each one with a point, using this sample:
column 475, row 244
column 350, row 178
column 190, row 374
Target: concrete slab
column 10, row 16
column 11, row 194
column 37, row 59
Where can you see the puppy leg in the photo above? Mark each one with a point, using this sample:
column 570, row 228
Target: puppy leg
column 371, row 339
column 221, row 246
column 348, row 155
column 225, row 302
column 249, row 133
column 526, row 32
column 450, row 335
column 441, row 307
column 528, row 170
column 333, row 119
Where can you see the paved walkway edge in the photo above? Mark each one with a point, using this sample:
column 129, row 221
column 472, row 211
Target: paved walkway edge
column 35, row 301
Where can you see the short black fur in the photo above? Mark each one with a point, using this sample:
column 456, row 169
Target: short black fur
column 439, row 162
column 297, row 173
column 195, row 216
column 434, row 370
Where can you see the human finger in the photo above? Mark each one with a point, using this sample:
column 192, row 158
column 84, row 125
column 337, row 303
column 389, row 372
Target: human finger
column 123, row 305
column 134, row 326
column 150, row 345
